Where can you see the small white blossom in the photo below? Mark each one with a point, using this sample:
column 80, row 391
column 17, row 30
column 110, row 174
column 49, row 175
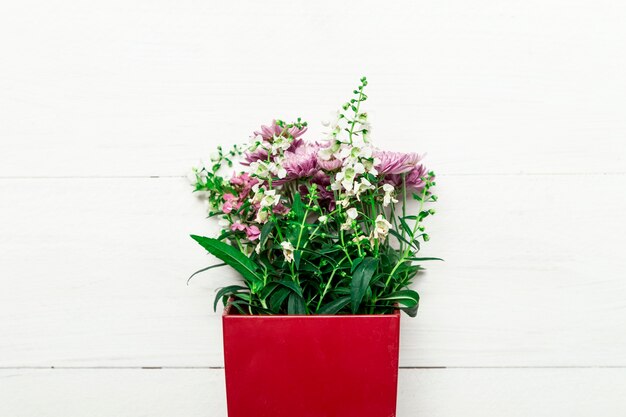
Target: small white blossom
column 260, row 169
column 280, row 143
column 322, row 219
column 287, row 250
column 388, row 198
column 358, row 239
column 381, row 228
column 261, row 216
column 352, row 213
column 362, row 186
column 270, row 198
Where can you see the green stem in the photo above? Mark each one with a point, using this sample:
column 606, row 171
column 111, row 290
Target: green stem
column 408, row 247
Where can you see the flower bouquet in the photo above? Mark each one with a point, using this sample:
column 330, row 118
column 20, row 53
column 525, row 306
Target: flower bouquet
column 319, row 231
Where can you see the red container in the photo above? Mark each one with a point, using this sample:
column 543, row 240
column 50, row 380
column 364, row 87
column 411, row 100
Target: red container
column 311, row 366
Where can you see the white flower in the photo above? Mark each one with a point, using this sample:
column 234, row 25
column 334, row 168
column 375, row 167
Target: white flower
column 270, row 198
column 352, row 213
column 280, row 143
column 322, row 219
column 287, row 250
column 381, row 228
column 282, row 173
column 261, row 216
column 362, row 186
column 260, row 169
column 344, row 202
column 388, row 198
column 328, row 152
column 359, row 239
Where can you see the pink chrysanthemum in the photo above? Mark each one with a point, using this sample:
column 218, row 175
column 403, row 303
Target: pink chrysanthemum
column 301, row 163
column 414, row 179
column 395, row 162
column 268, row 132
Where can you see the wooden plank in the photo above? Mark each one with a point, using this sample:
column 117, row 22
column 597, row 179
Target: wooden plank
column 200, row 392
column 93, row 273
column 148, row 88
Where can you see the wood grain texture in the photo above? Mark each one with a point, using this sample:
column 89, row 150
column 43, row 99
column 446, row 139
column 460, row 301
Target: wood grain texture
column 200, row 392
column 94, row 270
column 118, row 88
column 520, row 106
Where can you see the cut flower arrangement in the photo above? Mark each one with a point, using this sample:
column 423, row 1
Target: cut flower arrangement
column 318, row 227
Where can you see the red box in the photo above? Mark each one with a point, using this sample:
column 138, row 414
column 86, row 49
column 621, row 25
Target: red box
column 311, row 366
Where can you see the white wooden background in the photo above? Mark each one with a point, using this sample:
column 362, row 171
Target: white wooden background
column 105, row 105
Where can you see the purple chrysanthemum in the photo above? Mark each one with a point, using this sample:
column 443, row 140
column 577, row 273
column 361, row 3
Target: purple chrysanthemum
column 268, row 132
column 302, row 162
column 414, row 178
column 395, row 162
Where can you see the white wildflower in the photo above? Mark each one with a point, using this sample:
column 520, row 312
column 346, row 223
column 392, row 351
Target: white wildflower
column 352, row 213
column 261, row 216
column 260, row 169
column 388, row 198
column 381, row 228
column 287, row 250
column 280, row 143
column 323, row 219
column 270, row 198
column 362, row 186
column 358, row 239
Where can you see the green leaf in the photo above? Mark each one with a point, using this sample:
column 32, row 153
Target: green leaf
column 278, row 298
column 297, row 254
column 292, row 286
column 226, row 291
column 406, row 227
column 399, row 236
column 360, row 281
column 356, row 263
column 295, row 304
column 231, row 256
column 297, row 206
column 204, row 269
column 265, row 233
column 334, row 306
column 408, row 298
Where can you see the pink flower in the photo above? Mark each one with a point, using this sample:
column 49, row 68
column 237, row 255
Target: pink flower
column 302, row 162
column 232, row 203
column 395, row 162
column 268, row 132
column 228, row 207
column 243, row 183
column 253, row 232
column 237, row 226
column 414, row 178
column 259, row 154
column 330, row 165
column 280, row 208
